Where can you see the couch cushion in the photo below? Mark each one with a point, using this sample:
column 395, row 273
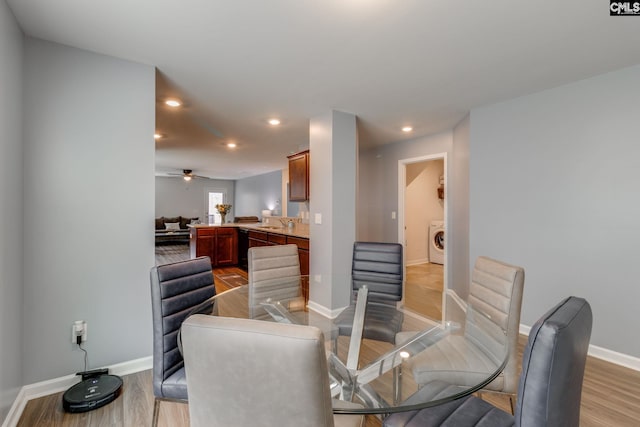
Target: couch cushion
column 160, row 223
column 171, row 219
column 173, row 226
column 186, row 220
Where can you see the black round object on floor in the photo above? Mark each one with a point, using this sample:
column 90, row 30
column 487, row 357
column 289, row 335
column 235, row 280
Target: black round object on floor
column 92, row 393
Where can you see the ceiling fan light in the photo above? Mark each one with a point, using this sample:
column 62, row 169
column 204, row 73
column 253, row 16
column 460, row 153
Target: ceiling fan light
column 187, row 178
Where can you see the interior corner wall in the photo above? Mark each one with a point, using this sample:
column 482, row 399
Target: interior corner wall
column 177, row 197
column 11, row 213
column 333, row 173
column 459, row 207
column 256, row 193
column 554, row 188
column 88, row 208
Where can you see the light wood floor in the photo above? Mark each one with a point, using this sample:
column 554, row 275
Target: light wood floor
column 610, row 396
column 423, row 289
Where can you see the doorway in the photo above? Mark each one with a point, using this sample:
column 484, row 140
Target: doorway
column 422, row 207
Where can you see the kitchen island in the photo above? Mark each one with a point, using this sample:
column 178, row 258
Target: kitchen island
column 221, row 242
column 227, row 245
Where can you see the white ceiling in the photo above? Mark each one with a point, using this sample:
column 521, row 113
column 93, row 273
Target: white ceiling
column 423, row 63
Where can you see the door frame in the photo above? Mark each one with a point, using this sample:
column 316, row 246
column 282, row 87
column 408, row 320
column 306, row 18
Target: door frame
column 402, row 184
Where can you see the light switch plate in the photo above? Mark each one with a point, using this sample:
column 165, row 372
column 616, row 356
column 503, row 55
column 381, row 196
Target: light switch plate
column 318, row 218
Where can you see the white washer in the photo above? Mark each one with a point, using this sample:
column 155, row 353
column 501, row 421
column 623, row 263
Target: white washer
column 436, row 242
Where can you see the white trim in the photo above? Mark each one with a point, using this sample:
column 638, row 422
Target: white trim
column 601, row 353
column 321, row 309
column 621, row 359
column 462, row 304
column 56, row 385
column 402, row 183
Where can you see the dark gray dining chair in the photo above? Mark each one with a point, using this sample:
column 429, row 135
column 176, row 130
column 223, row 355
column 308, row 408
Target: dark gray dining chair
column 176, row 290
column 379, row 267
column 550, row 385
column 247, row 373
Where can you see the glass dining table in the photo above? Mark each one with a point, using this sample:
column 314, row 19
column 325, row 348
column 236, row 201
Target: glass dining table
column 379, row 375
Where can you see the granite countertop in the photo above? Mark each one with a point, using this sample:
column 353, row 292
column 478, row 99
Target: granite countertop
column 300, row 230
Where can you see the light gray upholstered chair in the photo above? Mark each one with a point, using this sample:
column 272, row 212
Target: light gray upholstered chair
column 496, row 291
column 176, row 290
column 378, row 266
column 251, row 373
column 274, row 272
column 550, row 384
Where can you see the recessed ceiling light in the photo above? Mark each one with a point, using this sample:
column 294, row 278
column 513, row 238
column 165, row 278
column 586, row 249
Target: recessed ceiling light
column 231, row 145
column 173, row 103
column 157, row 136
column 274, row 122
column 407, row 129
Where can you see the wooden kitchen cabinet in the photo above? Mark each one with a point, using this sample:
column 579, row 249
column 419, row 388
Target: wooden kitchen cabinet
column 258, row 238
column 299, row 176
column 226, row 253
column 220, row 244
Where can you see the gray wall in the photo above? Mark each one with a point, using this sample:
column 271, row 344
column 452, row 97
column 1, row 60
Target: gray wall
column 256, row 193
column 458, row 228
column 554, row 187
column 88, row 208
column 177, row 197
column 11, row 178
column 333, row 143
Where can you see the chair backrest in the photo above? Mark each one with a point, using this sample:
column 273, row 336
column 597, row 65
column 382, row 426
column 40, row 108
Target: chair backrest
column 496, row 292
column 176, row 289
column 274, row 272
column 553, row 366
column 378, row 266
column 244, row 372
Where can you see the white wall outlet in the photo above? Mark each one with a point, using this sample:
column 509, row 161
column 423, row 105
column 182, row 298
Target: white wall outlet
column 318, row 278
column 79, row 329
column 393, row 215
column 318, row 218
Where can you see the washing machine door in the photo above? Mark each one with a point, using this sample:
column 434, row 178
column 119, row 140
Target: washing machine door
column 438, row 240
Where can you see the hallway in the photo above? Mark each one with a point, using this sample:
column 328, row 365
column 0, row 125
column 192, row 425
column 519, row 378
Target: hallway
column 424, row 284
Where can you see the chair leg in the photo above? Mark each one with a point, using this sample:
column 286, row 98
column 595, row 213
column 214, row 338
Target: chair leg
column 397, row 384
column 511, row 403
column 156, row 412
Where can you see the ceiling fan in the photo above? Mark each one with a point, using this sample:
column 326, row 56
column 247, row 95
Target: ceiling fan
column 187, row 175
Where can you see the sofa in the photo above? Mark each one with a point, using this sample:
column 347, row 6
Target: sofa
column 173, row 230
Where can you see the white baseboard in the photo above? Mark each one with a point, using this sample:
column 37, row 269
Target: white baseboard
column 605, row 354
column 321, row 309
column 56, row 385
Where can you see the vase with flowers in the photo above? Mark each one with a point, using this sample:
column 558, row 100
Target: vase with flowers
column 223, row 209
